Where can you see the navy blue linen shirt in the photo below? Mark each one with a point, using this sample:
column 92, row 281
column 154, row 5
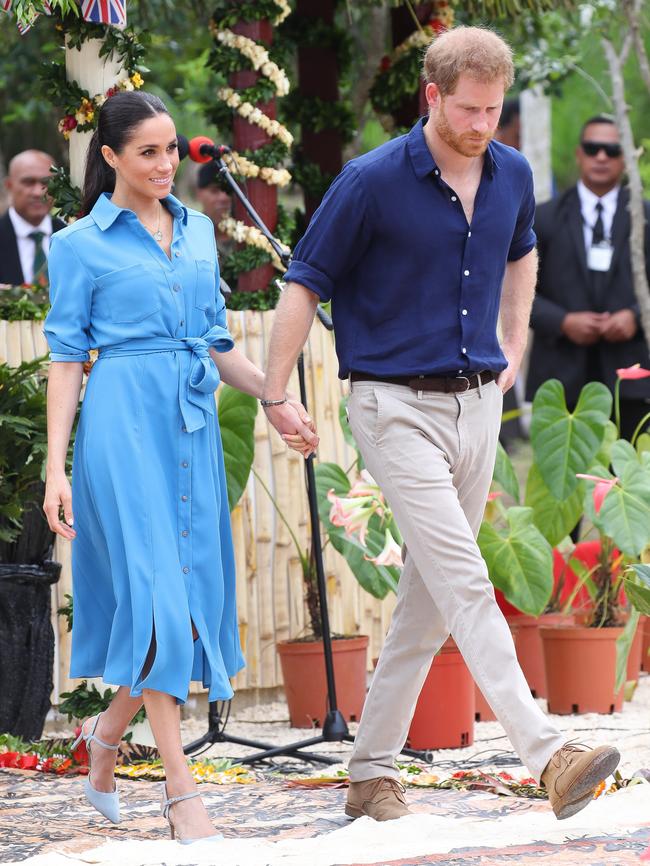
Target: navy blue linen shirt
column 414, row 288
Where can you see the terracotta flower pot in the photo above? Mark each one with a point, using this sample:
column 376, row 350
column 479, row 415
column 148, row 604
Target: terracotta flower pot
column 305, row 681
column 529, row 646
column 444, row 713
column 581, row 669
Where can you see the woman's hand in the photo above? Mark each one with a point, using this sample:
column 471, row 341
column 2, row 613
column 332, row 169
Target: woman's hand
column 58, row 497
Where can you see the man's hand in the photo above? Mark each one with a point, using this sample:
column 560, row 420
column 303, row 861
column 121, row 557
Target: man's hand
column 294, row 425
column 584, row 329
column 506, row 378
column 619, row 326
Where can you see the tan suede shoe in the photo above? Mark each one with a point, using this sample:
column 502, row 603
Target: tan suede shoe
column 382, row 799
column 573, row 774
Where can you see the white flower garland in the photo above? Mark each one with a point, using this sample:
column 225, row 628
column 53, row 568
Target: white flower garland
column 240, row 165
column 254, row 115
column 285, row 11
column 257, row 55
column 250, row 235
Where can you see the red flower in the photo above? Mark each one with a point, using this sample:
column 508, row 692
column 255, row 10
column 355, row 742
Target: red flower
column 636, row 371
column 385, row 63
column 602, row 487
column 69, row 122
column 28, row 762
column 437, row 26
column 9, row 759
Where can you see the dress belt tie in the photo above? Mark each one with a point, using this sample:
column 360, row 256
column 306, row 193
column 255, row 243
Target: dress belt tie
column 198, row 376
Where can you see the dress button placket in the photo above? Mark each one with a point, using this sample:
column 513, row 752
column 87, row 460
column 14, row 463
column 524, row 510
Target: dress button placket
column 184, row 473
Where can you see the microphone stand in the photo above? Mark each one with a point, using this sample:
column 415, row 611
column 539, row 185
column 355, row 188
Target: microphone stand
column 334, row 729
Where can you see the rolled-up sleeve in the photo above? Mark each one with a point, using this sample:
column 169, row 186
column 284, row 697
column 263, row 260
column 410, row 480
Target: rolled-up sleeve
column 336, row 237
column 67, row 326
column 523, row 239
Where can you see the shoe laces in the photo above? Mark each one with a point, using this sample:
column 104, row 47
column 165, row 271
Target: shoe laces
column 571, row 747
column 391, row 786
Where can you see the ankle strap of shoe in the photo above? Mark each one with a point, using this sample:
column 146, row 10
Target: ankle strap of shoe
column 171, row 801
column 93, row 738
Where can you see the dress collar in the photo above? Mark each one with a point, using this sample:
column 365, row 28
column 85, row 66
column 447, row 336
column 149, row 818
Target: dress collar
column 422, row 159
column 105, row 212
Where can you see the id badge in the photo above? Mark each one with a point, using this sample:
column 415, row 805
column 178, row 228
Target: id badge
column 599, row 257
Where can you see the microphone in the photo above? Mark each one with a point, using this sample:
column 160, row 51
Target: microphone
column 203, row 149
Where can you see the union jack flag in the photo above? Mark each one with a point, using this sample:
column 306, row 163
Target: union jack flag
column 104, row 11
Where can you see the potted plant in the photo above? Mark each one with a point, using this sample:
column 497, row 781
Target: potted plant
column 26, row 542
column 344, row 507
column 618, row 507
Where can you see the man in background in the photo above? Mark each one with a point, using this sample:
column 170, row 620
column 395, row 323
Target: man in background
column 585, row 316
column 215, row 203
column 26, row 228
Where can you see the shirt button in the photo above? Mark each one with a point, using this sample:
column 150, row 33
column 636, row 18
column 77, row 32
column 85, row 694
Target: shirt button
column 178, row 254
column 186, row 570
column 182, row 321
column 436, row 172
column 466, row 273
column 185, row 464
column 464, row 312
column 176, row 287
column 453, row 198
column 464, row 350
column 184, row 429
column 184, row 498
column 185, row 533
column 469, row 234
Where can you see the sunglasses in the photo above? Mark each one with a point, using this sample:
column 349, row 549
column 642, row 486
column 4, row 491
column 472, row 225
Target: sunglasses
column 593, row 148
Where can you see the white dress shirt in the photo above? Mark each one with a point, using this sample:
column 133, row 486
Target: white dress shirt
column 588, row 202
column 26, row 245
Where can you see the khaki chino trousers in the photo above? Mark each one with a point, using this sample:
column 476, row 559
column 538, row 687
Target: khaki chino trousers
column 433, row 456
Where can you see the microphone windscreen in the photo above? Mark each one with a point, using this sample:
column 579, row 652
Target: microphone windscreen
column 183, row 146
column 195, row 148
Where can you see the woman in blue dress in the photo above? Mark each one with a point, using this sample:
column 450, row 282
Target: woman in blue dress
column 152, row 556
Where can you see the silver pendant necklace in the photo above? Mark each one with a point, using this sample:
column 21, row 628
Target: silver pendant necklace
column 157, row 235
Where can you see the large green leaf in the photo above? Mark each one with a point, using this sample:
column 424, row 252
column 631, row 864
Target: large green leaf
column 378, row 580
column 519, row 560
column 604, row 456
column 555, row 518
column 623, row 647
column 637, row 588
column 625, row 514
column 504, row 473
column 566, row 443
column 237, row 413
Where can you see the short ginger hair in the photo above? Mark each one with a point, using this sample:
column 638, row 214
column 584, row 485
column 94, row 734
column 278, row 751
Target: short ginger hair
column 475, row 51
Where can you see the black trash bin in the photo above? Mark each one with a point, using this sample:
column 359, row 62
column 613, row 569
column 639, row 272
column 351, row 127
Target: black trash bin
column 26, row 647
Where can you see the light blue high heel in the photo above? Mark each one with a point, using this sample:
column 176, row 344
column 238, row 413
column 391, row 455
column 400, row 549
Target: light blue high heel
column 108, row 804
column 168, row 802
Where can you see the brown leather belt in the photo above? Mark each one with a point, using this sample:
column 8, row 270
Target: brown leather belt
column 446, row 384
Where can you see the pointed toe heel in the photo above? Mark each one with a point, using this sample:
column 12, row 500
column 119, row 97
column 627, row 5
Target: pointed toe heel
column 107, row 803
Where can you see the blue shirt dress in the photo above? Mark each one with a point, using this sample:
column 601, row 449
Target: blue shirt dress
column 153, row 552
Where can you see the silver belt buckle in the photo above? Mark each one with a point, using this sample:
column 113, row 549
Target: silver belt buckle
column 468, row 384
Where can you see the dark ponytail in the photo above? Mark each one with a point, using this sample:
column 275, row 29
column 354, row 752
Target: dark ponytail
column 118, row 118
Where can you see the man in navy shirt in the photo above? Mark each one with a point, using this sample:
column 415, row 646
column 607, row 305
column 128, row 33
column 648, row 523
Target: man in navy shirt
column 420, row 245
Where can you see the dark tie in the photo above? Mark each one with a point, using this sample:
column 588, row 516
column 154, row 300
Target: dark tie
column 598, row 235
column 39, row 254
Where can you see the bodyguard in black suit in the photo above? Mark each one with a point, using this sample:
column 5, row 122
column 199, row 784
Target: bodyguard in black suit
column 26, row 228
column 585, row 316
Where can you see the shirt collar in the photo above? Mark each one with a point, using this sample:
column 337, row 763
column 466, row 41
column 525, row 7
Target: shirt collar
column 23, row 229
column 105, row 212
column 589, row 199
column 422, row 159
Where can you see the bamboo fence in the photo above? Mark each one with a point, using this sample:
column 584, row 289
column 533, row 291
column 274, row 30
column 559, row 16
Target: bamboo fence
column 270, row 592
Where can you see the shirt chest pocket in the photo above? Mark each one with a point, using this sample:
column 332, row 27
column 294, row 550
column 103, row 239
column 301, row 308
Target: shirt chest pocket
column 128, row 295
column 205, row 295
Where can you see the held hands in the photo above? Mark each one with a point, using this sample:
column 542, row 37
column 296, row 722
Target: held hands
column 294, row 425
column 587, row 328
column 58, row 497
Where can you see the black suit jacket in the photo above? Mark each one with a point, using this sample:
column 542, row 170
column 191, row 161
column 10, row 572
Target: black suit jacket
column 565, row 285
column 10, row 268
